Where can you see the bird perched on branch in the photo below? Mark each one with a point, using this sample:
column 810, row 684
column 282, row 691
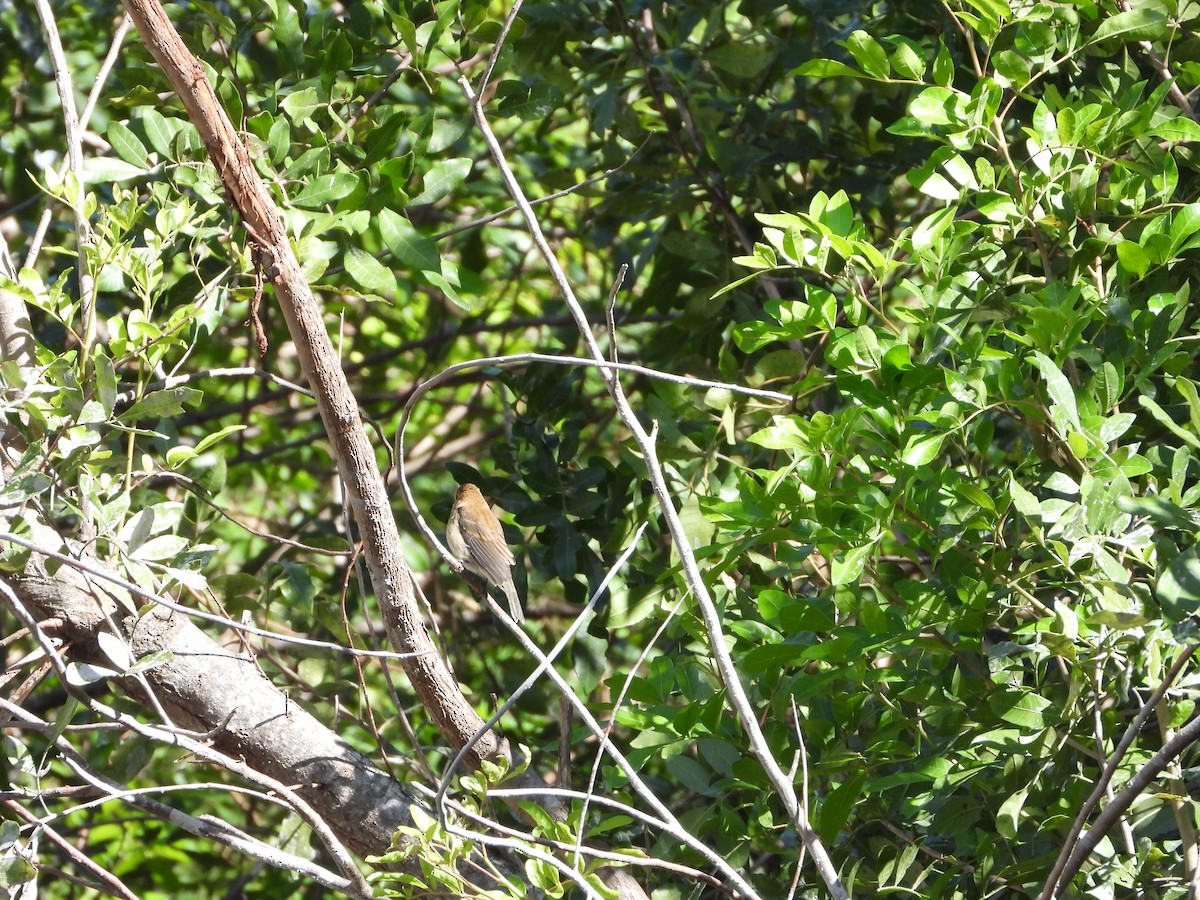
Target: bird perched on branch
column 474, row 535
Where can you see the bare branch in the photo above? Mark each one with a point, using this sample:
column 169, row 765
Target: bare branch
column 365, row 488
column 738, row 699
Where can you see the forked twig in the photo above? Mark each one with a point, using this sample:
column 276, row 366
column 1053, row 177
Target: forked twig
column 738, row 699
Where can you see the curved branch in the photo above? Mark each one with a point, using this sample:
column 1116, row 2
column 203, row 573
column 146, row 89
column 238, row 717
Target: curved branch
column 738, row 699
column 390, row 575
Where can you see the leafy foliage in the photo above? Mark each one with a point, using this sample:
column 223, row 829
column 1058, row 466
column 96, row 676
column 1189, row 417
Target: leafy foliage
column 962, row 238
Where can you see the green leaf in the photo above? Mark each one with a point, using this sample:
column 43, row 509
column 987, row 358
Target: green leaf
column 930, row 229
column 441, row 179
column 838, row 804
column 907, row 62
column 922, row 449
column 162, row 404
column 1184, row 226
column 1148, row 403
column 106, row 170
column 163, row 547
column 289, row 35
column 869, row 54
column 935, row 106
column 127, row 145
column 325, row 190
column 406, row 244
column 1177, row 129
column 1026, row 502
column 1141, row 24
column 177, row 456
column 528, row 102
column 301, row 104
column 847, row 568
column 943, row 65
column 825, row 68
column 1012, row 67
column 1021, row 708
column 370, row 274
column 279, row 140
column 160, row 131
column 1062, row 396
column 1161, row 511
column 740, row 58
column 106, row 381
column 786, row 433
column 1008, row 817
column 1133, row 257
column 1178, row 588
column 218, row 436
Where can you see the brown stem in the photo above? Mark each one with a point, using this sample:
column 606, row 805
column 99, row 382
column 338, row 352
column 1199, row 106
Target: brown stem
column 365, row 489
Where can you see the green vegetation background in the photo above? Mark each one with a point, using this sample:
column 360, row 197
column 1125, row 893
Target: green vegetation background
column 961, row 235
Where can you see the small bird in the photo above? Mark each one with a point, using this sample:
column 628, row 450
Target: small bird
column 476, row 538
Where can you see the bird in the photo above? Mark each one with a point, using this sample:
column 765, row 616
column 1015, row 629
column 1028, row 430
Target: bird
column 477, row 540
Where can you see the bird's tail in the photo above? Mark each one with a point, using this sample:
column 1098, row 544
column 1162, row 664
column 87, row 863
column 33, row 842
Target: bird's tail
column 514, row 602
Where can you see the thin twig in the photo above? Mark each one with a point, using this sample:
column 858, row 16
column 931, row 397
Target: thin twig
column 111, row 882
column 617, row 703
column 223, row 621
column 736, row 694
column 670, row 824
column 1178, row 97
column 71, row 125
column 405, row 62
column 1058, row 874
column 605, row 367
column 114, row 48
column 201, row 749
column 210, row 828
column 499, row 45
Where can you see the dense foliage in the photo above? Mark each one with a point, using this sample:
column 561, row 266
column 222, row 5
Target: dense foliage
column 952, row 569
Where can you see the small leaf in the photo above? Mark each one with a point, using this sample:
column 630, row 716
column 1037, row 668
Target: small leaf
column 869, row 54
column 106, row 170
column 1008, row 816
column 160, row 131
column 933, row 106
column 127, row 145
column 1021, row 708
column 838, row 803
column 84, row 674
column 115, row 649
column 165, row 546
column 441, row 179
column 1133, row 25
column 1185, row 224
column 1160, row 510
column 922, row 449
column 1025, row 501
column 370, row 274
column 739, row 58
column 300, row 105
column 1062, row 395
column 825, row 68
column 908, row 62
column 216, row 437
column 1178, row 588
column 162, row 404
column 1133, row 257
column 1177, row 128
column 528, row 102
column 407, row 244
column 326, row 189
column 177, row 456
column 847, row 568
column 106, row 381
